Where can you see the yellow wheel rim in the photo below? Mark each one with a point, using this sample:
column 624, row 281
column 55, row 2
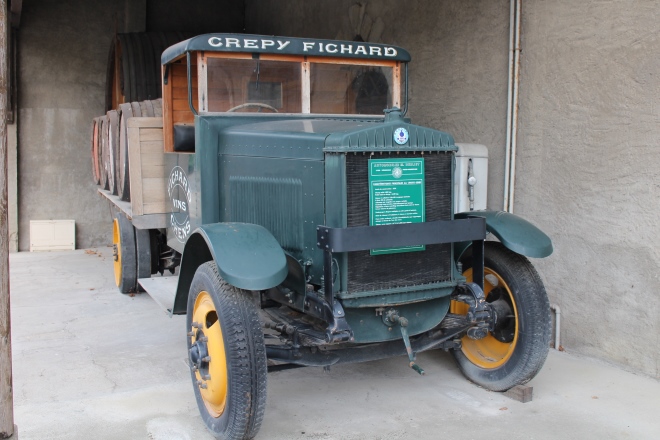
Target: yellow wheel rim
column 212, row 381
column 488, row 352
column 116, row 245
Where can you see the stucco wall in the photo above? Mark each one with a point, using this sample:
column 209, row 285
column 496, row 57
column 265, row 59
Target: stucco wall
column 588, row 137
column 63, row 55
column 588, row 169
column 63, row 51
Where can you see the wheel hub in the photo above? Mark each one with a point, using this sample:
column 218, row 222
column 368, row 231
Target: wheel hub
column 199, row 353
column 493, row 340
column 503, row 327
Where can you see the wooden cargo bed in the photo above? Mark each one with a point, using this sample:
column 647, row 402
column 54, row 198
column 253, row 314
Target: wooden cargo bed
column 148, row 165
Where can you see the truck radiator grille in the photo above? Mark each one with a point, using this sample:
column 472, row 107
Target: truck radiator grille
column 375, row 272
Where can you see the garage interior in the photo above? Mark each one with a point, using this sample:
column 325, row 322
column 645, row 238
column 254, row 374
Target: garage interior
column 587, row 126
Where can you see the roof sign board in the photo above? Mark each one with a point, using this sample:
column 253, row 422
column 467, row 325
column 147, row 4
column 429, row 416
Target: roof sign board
column 285, row 45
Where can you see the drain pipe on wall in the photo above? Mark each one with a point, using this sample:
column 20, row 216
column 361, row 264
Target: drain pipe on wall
column 512, row 104
column 512, row 128
column 557, row 311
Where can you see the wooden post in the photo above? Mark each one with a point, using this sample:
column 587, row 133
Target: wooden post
column 6, row 391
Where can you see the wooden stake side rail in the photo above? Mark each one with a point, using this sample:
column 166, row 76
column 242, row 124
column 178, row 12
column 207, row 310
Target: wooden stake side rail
column 147, row 221
column 149, row 166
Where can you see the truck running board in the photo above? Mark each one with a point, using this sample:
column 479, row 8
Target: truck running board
column 162, row 290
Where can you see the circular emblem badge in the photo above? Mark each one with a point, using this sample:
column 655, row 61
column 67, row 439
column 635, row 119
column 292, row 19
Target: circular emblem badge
column 397, row 172
column 400, row 135
column 180, row 196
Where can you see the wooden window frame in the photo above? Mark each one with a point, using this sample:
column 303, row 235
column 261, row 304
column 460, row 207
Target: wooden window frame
column 305, row 73
column 305, row 81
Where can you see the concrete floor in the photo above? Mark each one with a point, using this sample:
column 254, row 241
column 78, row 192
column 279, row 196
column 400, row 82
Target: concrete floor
column 90, row 363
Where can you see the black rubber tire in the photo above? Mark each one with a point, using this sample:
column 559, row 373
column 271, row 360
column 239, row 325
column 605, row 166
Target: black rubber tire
column 143, row 245
column 534, row 324
column 126, row 268
column 245, row 356
column 143, row 255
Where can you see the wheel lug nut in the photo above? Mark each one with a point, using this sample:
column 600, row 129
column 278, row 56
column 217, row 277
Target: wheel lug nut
column 207, row 377
column 207, row 359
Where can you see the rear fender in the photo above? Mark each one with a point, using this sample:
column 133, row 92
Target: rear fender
column 247, row 256
column 516, row 233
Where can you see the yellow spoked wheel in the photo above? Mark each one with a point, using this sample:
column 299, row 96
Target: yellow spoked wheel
column 515, row 350
column 116, row 251
column 207, row 354
column 124, row 254
column 227, row 355
column 498, row 346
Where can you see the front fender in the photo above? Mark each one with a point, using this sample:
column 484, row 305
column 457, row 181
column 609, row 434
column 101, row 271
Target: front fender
column 247, row 257
column 516, row 233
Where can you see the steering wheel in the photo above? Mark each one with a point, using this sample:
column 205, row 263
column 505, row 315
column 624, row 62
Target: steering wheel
column 253, row 104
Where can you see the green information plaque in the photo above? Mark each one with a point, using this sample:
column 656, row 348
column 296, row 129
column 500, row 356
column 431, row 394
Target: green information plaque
column 396, row 195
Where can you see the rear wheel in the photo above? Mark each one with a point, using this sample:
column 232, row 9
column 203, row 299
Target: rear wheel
column 227, row 356
column 143, row 248
column 123, row 247
column 515, row 351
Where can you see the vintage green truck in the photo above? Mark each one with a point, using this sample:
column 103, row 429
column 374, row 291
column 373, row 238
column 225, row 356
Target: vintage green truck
column 308, row 222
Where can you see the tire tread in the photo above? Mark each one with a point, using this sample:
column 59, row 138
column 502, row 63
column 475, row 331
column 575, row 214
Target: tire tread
column 534, row 339
column 246, row 353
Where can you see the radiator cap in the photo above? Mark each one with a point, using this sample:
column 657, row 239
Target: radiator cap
column 393, row 114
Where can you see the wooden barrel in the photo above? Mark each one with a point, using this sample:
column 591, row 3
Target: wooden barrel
column 113, row 150
column 126, row 111
column 96, row 172
column 103, row 143
column 134, row 69
column 99, row 151
column 123, row 182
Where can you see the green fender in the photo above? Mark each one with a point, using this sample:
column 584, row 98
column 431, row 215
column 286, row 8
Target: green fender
column 247, row 256
column 516, row 233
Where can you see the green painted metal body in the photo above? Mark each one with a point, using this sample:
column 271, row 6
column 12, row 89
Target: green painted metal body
column 262, row 183
column 247, row 256
column 516, row 233
column 422, row 317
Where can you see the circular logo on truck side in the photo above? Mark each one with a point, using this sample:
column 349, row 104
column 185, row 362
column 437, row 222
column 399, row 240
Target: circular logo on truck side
column 178, row 190
column 400, row 135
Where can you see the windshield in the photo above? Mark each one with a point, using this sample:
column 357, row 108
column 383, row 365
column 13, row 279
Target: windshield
column 269, row 86
column 253, row 86
column 350, row 89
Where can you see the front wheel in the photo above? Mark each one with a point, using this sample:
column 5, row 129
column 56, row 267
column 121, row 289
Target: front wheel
column 516, row 350
column 227, row 356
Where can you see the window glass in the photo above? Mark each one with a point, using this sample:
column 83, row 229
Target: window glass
column 350, row 89
column 254, row 86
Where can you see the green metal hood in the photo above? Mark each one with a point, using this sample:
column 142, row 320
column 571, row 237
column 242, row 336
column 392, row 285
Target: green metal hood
column 310, row 137
column 381, row 137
